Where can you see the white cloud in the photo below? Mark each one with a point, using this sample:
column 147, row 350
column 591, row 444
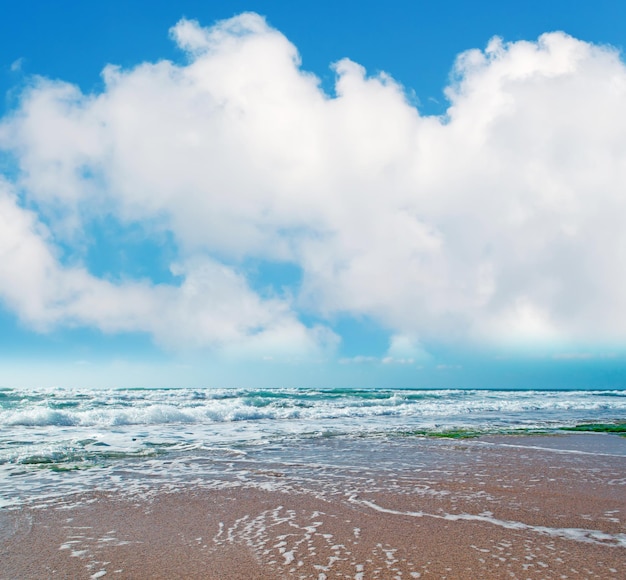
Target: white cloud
column 501, row 222
column 213, row 306
column 389, row 360
column 16, row 65
column 405, row 349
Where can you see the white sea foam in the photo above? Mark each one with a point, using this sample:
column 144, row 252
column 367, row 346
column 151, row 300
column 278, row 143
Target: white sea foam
column 576, row 534
column 162, row 407
column 82, row 432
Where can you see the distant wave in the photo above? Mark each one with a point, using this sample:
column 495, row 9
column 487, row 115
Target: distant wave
column 192, row 406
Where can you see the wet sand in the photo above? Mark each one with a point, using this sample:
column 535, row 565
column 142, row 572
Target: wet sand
column 502, row 507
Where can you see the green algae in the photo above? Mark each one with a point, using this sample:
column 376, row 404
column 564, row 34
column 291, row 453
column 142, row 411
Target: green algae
column 619, row 428
column 467, row 433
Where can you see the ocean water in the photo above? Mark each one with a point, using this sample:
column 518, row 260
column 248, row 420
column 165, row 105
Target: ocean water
column 59, row 442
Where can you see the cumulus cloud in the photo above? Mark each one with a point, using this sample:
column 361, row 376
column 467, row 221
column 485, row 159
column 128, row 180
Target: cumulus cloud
column 501, row 221
column 212, row 306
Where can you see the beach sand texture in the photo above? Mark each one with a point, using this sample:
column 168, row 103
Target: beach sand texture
column 500, row 507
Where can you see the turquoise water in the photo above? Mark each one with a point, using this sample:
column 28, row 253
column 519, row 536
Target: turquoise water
column 60, row 441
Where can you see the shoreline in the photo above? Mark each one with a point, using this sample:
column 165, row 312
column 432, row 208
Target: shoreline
column 485, row 508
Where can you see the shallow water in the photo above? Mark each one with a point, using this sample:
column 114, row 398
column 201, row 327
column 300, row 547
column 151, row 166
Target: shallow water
column 56, row 442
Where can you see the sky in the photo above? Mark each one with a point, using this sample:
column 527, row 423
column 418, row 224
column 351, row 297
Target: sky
column 263, row 193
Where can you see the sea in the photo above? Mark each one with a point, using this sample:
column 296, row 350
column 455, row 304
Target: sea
column 62, row 442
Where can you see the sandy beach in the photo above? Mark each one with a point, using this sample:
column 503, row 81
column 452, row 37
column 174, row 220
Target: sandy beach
column 499, row 507
column 312, row 290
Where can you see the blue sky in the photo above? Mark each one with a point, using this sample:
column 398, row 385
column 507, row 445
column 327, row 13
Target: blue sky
column 218, row 193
